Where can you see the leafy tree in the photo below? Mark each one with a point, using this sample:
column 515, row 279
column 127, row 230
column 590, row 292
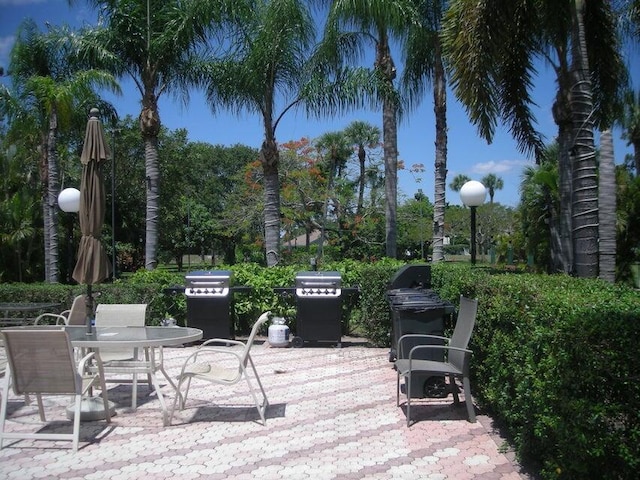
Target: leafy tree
column 48, row 88
column 154, row 42
column 492, row 183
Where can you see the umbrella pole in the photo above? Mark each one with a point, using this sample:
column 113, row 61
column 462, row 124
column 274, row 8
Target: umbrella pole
column 89, row 311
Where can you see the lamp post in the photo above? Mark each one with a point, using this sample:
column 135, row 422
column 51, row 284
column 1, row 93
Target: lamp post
column 69, row 202
column 473, row 194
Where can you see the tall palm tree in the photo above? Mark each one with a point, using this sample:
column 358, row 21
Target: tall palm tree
column 153, row 42
column 424, row 66
column 267, row 74
column 492, row 47
column 48, row 89
column 357, row 23
column 335, row 149
column 363, row 135
column 492, row 183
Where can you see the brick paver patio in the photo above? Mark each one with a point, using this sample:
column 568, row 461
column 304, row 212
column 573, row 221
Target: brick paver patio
column 333, row 415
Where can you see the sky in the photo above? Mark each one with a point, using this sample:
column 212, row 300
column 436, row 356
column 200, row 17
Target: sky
column 468, row 154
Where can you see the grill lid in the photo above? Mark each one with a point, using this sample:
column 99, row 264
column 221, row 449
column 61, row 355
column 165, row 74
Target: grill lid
column 318, row 279
column 208, row 283
column 417, row 275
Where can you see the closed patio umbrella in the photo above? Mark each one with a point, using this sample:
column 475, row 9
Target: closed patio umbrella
column 93, row 265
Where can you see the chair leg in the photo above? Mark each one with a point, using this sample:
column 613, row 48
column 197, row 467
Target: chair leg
column 40, row 407
column 76, row 422
column 3, row 405
column 468, row 400
column 261, row 406
column 407, row 385
column 454, row 389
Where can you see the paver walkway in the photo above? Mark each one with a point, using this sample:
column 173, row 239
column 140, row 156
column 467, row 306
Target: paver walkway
column 333, row 415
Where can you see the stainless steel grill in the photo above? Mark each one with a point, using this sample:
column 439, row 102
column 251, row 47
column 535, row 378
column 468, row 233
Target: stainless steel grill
column 206, row 284
column 209, row 302
column 319, row 307
column 318, row 284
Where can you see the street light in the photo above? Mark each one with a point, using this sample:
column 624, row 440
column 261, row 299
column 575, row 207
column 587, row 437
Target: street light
column 473, row 194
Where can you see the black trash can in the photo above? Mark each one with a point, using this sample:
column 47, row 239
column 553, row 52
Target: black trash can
column 415, row 308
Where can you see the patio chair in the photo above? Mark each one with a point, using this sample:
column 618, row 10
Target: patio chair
column 203, row 365
column 124, row 361
column 76, row 315
column 43, row 363
column 455, row 363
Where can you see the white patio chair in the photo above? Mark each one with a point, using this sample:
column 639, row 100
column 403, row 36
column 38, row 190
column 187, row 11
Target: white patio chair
column 42, row 363
column 76, row 315
column 455, row 363
column 124, row 361
column 203, row 365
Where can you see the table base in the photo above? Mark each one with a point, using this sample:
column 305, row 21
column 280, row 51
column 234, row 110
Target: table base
column 91, row 409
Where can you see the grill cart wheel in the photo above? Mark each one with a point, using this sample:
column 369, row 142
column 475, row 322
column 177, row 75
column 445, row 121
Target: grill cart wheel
column 435, row 387
column 297, row 342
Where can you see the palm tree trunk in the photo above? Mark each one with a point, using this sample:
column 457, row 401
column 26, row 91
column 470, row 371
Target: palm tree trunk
column 362, row 155
column 53, row 188
column 384, row 64
column 607, row 208
column 269, row 157
column 585, row 183
column 440, row 180
column 153, row 196
column 150, row 128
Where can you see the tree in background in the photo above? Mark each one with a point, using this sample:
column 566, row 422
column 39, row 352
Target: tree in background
column 424, row 66
column 630, row 123
column 351, row 26
column 153, row 42
column 49, row 90
column 363, row 135
column 492, row 183
column 458, row 181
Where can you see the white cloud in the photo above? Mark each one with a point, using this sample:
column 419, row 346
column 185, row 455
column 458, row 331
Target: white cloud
column 503, row 166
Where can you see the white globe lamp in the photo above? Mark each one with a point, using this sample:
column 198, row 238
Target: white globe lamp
column 69, row 200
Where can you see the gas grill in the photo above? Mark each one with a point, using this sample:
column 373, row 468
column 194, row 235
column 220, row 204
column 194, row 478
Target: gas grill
column 209, row 302
column 415, row 308
column 319, row 308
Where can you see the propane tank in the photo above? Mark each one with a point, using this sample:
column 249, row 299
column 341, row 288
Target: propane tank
column 278, row 333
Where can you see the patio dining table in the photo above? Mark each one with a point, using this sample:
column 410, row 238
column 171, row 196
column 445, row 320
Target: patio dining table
column 145, row 338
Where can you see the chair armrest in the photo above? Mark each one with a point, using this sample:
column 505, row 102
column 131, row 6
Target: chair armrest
column 222, row 341
column 419, row 336
column 60, row 319
column 438, row 347
column 208, row 352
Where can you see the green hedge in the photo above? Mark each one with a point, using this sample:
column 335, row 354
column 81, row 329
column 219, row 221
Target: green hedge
column 555, row 358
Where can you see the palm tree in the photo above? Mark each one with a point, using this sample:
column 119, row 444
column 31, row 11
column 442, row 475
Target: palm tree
column 492, row 183
column 376, row 22
column 458, row 181
column 424, row 66
column 363, row 135
column 335, row 149
column 630, row 123
column 48, row 89
column 492, row 46
column 153, row 42
column 272, row 64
